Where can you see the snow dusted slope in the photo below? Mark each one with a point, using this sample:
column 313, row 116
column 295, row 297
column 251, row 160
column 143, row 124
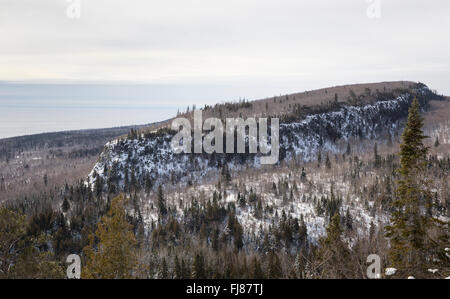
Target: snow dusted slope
column 322, row 130
column 150, row 158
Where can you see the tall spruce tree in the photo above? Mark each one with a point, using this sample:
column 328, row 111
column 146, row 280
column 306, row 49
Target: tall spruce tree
column 198, row 267
column 114, row 255
column 409, row 244
column 161, row 202
column 333, row 254
column 436, row 142
column 328, row 162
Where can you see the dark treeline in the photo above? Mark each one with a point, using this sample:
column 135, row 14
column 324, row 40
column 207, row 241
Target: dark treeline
column 84, row 139
column 204, row 238
column 208, row 241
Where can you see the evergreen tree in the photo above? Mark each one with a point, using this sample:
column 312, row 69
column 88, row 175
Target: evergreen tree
column 133, row 180
column 333, row 254
column 226, row 173
column 98, row 186
column 238, row 235
column 215, row 239
column 164, row 271
column 376, row 157
column 65, row 205
column 436, row 142
column 389, row 143
column 299, row 266
column 185, row 269
column 328, row 162
column 348, row 220
column 161, row 202
column 408, row 230
column 256, row 271
column 178, row 270
column 114, row 255
column 302, row 231
column 319, row 159
column 126, row 180
column 371, row 231
column 148, row 183
column 303, row 175
column 198, row 267
column 274, row 267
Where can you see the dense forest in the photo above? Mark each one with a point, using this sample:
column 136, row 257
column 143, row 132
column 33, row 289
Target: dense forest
column 319, row 218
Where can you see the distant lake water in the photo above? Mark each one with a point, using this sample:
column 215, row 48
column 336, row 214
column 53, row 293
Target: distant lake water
column 37, row 108
column 17, row 121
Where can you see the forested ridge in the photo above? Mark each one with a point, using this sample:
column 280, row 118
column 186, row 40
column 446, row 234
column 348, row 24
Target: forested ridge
column 375, row 187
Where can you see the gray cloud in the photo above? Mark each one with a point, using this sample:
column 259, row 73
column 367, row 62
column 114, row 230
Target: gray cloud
column 287, row 45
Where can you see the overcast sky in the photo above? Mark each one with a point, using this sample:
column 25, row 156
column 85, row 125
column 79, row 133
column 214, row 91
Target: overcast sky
column 275, row 46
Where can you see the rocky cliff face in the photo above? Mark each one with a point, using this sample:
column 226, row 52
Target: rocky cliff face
column 150, row 158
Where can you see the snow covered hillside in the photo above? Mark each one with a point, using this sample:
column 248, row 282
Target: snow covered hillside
column 150, row 158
